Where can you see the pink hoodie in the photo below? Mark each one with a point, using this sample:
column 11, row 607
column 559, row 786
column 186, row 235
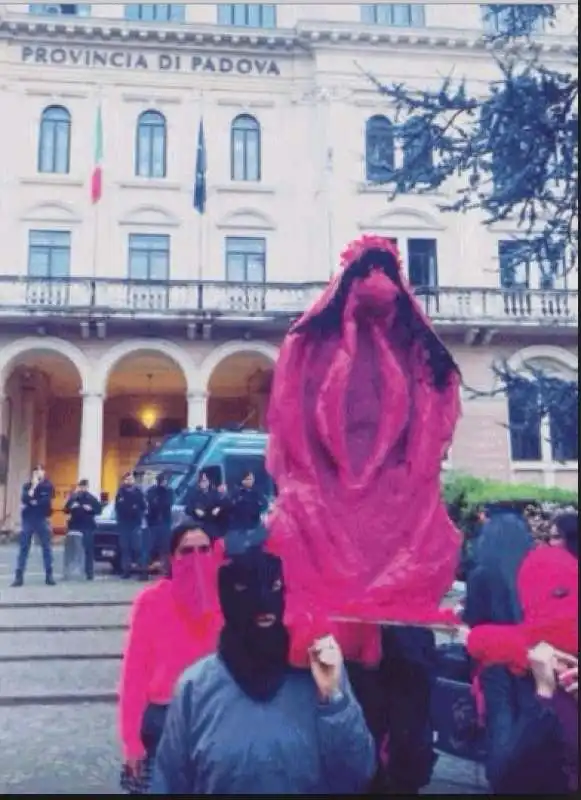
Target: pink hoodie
column 161, row 644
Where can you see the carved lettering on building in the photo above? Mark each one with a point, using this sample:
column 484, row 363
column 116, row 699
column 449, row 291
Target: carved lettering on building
column 127, row 59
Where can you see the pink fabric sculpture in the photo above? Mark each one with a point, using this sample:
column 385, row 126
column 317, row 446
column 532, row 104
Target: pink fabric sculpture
column 364, row 404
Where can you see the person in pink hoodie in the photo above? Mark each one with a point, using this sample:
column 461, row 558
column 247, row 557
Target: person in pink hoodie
column 174, row 623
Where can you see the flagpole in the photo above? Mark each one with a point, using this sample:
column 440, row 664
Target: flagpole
column 96, row 206
column 201, row 235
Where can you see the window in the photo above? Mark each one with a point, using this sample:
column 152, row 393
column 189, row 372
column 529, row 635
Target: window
column 514, row 271
column 245, row 260
column 151, row 145
column 379, row 149
column 49, row 254
column 521, row 268
column 64, row 9
column 549, row 437
column 54, row 144
column 517, row 20
column 417, row 147
column 423, row 263
column 247, row 15
column 245, row 149
column 155, row 12
column 148, row 257
column 403, row 15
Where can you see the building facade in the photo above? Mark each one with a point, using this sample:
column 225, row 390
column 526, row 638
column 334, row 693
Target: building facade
column 126, row 314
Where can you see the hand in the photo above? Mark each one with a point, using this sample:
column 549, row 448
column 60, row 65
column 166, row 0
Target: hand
column 133, row 766
column 326, row 662
column 569, row 680
column 87, row 508
column 568, row 672
column 222, row 488
column 199, row 513
column 215, row 512
column 543, row 663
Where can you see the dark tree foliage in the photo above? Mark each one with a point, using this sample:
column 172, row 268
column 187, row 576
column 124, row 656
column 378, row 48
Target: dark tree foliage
column 538, row 396
column 514, row 152
column 513, row 155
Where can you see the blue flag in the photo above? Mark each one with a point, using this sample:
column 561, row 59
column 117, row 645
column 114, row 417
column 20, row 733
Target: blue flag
column 200, row 182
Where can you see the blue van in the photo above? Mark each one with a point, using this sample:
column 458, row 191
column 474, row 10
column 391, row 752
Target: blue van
column 224, row 455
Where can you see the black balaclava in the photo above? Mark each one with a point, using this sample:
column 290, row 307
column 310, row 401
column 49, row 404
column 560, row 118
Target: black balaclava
column 249, row 586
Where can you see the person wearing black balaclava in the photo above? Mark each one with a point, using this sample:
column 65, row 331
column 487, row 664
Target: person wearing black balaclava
column 243, row 721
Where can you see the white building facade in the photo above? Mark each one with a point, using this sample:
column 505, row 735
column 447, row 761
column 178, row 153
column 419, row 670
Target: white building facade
column 127, row 318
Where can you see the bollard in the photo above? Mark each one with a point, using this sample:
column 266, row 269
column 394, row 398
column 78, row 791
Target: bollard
column 73, row 557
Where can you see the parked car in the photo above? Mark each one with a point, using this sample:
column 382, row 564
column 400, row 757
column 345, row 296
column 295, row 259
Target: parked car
column 224, row 455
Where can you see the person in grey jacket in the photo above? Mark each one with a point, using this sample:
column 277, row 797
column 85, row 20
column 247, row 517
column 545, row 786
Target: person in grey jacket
column 243, row 721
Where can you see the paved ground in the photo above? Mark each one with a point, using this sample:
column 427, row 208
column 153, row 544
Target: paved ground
column 53, row 656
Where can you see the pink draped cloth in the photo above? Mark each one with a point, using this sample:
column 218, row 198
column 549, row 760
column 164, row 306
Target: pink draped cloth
column 358, row 431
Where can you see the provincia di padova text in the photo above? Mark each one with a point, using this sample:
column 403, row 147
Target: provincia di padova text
column 130, row 59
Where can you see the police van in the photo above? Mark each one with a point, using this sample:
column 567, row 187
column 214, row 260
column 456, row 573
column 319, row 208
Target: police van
column 223, row 455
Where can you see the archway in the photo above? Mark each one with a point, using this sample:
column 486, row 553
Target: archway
column 239, row 389
column 42, row 382
column 146, row 400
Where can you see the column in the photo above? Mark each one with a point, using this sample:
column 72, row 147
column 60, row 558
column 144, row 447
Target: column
column 197, row 409
column 91, row 445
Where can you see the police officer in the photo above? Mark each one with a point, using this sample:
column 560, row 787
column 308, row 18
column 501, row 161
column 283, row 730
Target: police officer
column 37, row 496
column 159, row 499
column 82, row 508
column 130, row 508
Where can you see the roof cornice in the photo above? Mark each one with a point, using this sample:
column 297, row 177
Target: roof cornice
column 307, row 36
column 100, row 31
column 317, row 33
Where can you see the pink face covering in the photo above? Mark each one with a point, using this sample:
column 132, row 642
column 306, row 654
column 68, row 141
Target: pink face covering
column 194, row 579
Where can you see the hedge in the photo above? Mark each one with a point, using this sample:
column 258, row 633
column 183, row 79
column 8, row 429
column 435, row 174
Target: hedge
column 470, row 491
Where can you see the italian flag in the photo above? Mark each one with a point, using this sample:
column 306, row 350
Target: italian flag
column 97, row 176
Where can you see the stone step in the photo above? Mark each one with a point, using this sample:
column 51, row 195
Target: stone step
column 38, row 680
column 94, row 593
column 49, row 644
column 35, row 618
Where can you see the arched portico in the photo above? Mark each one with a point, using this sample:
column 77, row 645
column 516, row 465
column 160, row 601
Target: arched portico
column 122, row 350
column 145, row 388
column 42, row 382
column 235, row 379
column 11, row 353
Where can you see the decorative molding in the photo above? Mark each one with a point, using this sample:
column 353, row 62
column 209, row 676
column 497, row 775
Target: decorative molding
column 150, row 216
column 95, row 30
column 248, row 105
column 402, row 219
column 49, row 179
column 244, row 187
column 51, row 213
column 247, row 219
column 146, row 184
column 151, row 101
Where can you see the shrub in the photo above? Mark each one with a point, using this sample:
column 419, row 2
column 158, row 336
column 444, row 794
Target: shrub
column 466, row 495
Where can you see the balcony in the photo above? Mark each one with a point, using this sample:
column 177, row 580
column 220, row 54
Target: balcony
column 101, row 298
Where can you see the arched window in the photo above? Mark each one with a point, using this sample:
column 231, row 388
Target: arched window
column 151, row 145
column 379, row 149
column 54, row 145
column 543, row 414
column 245, row 149
column 418, row 155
